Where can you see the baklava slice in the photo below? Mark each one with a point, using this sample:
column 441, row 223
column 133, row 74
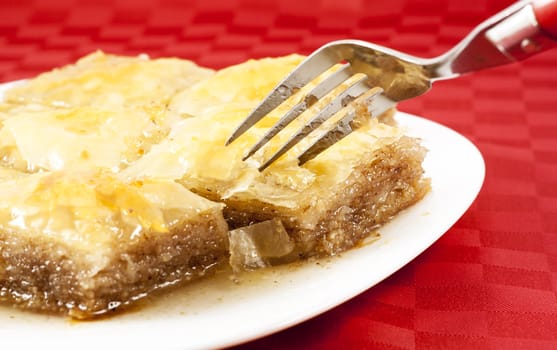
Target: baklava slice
column 76, row 238
column 327, row 205
column 84, row 242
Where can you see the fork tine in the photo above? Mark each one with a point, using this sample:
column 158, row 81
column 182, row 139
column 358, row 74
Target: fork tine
column 315, row 64
column 315, row 94
column 353, row 91
column 343, row 127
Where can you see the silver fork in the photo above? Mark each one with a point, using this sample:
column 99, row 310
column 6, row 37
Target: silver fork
column 516, row 33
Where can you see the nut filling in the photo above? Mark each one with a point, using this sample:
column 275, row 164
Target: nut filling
column 47, row 277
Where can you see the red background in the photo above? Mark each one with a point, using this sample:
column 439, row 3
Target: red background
column 491, row 280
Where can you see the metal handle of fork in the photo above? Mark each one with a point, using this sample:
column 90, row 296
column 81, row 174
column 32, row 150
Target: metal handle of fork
column 516, row 33
column 521, row 35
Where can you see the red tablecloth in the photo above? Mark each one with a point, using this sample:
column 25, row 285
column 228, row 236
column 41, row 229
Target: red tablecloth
column 491, row 280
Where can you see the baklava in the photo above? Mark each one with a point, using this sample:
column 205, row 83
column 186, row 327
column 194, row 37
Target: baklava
column 115, row 181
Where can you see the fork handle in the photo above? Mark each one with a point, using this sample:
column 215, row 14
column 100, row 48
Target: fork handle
column 529, row 31
column 520, row 31
column 546, row 14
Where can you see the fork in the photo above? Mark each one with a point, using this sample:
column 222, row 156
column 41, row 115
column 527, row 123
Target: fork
column 522, row 30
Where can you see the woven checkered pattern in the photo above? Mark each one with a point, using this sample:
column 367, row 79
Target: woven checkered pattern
column 491, row 280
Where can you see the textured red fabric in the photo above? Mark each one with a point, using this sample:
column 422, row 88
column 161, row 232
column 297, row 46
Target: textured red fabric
column 491, row 281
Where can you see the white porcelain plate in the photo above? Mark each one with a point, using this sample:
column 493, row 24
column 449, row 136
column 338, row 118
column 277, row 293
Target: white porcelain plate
column 219, row 312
